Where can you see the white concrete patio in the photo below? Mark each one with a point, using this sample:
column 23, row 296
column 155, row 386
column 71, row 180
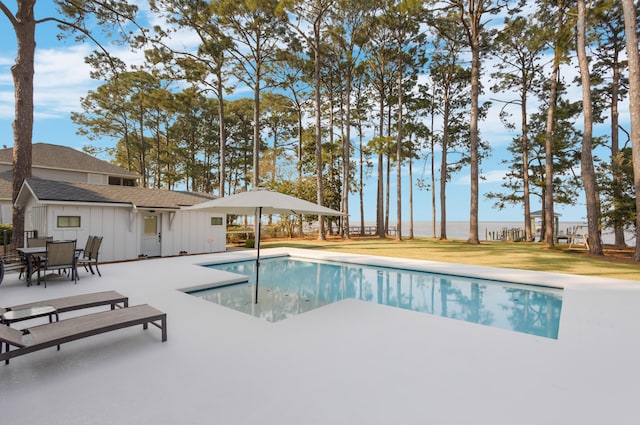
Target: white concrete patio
column 347, row 363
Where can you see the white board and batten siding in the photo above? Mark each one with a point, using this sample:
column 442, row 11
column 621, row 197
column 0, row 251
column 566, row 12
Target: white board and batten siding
column 186, row 232
column 191, row 231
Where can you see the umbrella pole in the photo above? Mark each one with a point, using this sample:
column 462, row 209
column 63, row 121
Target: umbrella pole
column 258, row 217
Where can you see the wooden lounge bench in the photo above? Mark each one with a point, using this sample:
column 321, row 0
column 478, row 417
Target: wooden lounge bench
column 19, row 342
column 74, row 302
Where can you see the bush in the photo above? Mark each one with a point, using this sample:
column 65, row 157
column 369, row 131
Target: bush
column 8, row 228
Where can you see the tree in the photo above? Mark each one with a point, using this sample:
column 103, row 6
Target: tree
column 561, row 39
column 450, row 84
column 74, row 14
column 630, row 29
column 470, row 15
column 519, row 46
column 609, row 68
column 240, row 144
column 403, row 21
column 348, row 30
column 380, row 65
column 280, row 121
column 360, row 118
column 204, row 67
column 313, row 14
column 256, row 28
column 586, row 158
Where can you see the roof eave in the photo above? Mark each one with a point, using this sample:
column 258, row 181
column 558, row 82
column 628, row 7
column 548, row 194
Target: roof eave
column 23, row 195
column 86, row 203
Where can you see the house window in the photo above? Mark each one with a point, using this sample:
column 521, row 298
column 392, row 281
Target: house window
column 68, row 221
column 216, row 221
column 121, row 181
column 150, row 225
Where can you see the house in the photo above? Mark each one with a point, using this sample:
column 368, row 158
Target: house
column 60, row 163
column 73, row 195
column 134, row 221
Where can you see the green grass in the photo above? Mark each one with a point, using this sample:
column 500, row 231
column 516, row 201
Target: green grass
column 517, row 255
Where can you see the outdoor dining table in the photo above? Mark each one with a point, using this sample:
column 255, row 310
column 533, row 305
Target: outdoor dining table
column 31, row 254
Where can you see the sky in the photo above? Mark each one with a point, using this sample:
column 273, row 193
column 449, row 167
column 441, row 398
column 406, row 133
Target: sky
column 62, row 79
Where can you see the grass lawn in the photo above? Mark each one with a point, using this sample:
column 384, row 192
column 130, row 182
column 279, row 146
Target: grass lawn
column 517, row 255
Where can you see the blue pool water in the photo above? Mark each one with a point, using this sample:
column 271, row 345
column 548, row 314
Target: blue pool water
column 290, row 286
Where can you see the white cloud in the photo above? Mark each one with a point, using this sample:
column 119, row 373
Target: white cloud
column 492, row 176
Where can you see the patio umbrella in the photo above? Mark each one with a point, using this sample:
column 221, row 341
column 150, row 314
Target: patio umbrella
column 262, row 201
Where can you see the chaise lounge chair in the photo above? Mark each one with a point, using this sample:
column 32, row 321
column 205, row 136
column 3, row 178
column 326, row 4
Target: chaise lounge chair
column 53, row 334
column 65, row 304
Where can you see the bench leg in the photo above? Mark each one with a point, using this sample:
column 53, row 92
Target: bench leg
column 164, row 329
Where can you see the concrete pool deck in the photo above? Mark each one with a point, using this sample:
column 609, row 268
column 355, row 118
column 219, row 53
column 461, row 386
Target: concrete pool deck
column 347, row 363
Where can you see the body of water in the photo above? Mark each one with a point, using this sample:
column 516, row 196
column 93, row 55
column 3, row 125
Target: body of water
column 460, row 229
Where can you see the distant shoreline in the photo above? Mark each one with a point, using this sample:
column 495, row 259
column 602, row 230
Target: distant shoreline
column 460, row 229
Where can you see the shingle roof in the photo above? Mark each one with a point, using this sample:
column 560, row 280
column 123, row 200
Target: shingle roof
column 6, row 185
column 45, row 155
column 47, row 190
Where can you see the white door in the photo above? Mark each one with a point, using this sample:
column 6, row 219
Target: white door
column 151, row 235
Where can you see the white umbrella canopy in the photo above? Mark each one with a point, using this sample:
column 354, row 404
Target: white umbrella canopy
column 262, row 201
column 247, row 203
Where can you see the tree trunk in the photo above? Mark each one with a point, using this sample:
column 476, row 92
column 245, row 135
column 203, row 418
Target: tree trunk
column 346, row 160
column 22, row 71
column 616, row 171
column 316, row 80
column 399, row 162
column 549, row 216
column 380, row 193
column 143, row 156
column 256, row 129
column 633, row 57
column 473, row 132
column 410, row 198
column 586, row 158
column 433, row 170
column 443, row 166
column 528, row 233
column 361, row 182
column 223, row 134
column 299, row 112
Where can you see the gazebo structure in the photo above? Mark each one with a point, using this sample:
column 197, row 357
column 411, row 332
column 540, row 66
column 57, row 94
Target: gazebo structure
column 536, row 220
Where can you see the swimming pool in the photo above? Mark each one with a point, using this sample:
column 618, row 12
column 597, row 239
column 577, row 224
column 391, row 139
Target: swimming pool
column 290, row 286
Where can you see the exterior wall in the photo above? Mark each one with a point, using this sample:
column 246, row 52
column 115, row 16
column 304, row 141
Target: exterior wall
column 120, row 240
column 60, row 175
column 65, row 175
column 121, row 228
column 97, row 178
column 31, row 222
column 191, row 231
column 6, row 212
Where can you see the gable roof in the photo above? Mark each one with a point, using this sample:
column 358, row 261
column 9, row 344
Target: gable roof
column 44, row 155
column 55, row 191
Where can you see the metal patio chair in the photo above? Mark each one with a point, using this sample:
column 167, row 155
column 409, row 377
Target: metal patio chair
column 90, row 255
column 61, row 255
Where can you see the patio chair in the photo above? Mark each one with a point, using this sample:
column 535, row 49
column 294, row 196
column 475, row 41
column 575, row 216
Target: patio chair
column 19, row 342
column 61, row 255
column 90, row 254
column 87, row 247
column 36, row 261
column 13, row 262
column 65, row 304
column 38, row 242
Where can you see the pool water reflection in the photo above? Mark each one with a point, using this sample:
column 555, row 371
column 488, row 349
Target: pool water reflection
column 290, row 286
